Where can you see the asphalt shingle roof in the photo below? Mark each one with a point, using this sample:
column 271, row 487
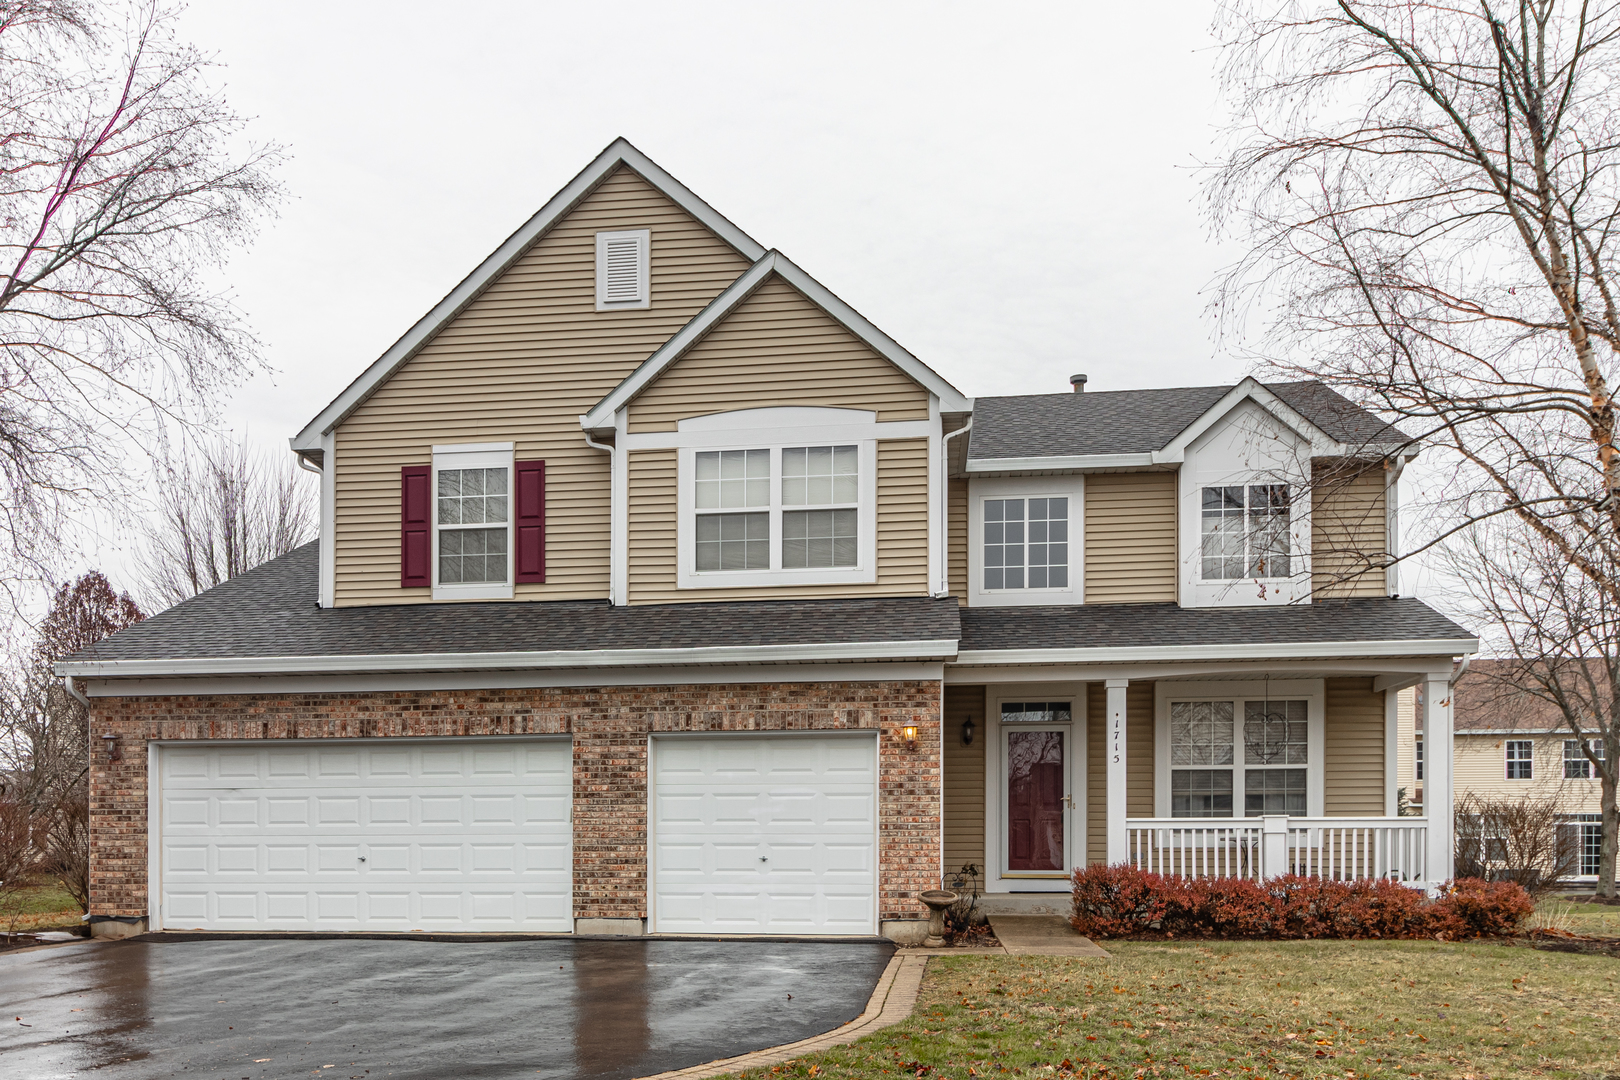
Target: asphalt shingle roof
column 1104, row 626
column 1141, row 421
column 270, row 612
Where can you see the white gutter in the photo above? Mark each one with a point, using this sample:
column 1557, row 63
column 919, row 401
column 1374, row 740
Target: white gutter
column 942, row 587
column 555, row 658
column 1305, row 650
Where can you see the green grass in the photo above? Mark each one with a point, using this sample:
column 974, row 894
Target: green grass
column 1245, row 1009
column 1595, row 920
column 38, row 907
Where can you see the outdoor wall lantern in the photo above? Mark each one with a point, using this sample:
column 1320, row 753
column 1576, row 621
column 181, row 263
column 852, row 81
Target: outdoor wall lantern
column 967, row 731
column 910, row 735
column 111, row 742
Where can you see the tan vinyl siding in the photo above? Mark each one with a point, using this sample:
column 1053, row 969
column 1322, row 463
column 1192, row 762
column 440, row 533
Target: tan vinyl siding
column 1130, row 545
column 957, row 539
column 902, row 536
column 520, row 364
column 1479, row 767
column 1139, row 740
column 964, row 778
column 1353, row 751
column 777, row 348
column 1348, row 535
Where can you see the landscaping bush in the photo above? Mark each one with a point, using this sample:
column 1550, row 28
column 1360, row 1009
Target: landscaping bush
column 1121, row 901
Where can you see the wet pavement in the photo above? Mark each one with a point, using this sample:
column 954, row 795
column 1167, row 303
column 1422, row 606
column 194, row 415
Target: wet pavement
column 374, row 1009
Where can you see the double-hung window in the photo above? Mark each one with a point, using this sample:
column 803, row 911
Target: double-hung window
column 1417, row 760
column 780, row 514
column 472, row 523
column 1026, row 543
column 1576, row 764
column 1212, row 774
column 1246, row 532
column 1520, row 759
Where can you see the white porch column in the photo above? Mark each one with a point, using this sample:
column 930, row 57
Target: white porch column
column 1437, row 795
column 1119, row 849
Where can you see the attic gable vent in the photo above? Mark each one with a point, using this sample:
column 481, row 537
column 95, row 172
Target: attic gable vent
column 622, row 269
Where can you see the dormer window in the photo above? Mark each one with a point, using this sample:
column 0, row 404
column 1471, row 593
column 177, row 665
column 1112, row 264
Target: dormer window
column 1026, row 543
column 623, row 278
column 1246, row 532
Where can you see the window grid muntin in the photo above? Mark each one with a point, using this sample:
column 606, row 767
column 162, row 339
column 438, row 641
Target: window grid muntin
column 825, row 538
column 1037, row 712
column 1519, row 755
column 1202, row 732
column 1025, row 543
column 1246, row 532
column 466, row 502
column 1576, row 764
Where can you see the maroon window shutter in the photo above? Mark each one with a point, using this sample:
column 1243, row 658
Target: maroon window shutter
column 529, row 517
column 415, row 527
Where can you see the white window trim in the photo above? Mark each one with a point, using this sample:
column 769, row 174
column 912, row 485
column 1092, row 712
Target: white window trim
column 1506, row 761
column 473, row 456
column 1295, row 517
column 1061, row 487
column 995, row 784
column 1313, row 691
column 643, row 238
column 865, row 569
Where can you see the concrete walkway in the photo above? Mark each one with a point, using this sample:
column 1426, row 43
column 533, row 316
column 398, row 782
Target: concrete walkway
column 891, row 1002
column 1041, row 935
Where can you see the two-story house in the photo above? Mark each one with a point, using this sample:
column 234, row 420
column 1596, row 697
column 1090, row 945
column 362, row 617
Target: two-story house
column 658, row 591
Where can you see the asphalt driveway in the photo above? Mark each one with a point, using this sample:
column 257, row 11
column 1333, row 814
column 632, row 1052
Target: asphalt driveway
column 373, row 1009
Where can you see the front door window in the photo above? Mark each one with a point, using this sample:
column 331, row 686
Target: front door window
column 1035, row 802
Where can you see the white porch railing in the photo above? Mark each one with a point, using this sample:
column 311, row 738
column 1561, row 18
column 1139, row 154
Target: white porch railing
column 1343, row 849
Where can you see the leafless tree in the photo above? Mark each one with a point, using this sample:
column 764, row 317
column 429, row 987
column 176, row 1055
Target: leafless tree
column 124, row 183
column 44, row 730
column 1519, row 838
column 221, row 514
column 1428, row 196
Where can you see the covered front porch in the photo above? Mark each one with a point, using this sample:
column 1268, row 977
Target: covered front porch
column 1235, row 769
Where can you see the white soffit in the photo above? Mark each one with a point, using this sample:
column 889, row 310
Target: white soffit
column 600, row 417
column 619, row 152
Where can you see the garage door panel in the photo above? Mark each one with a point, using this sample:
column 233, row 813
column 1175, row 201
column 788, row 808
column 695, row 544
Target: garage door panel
column 454, row 837
column 806, row 804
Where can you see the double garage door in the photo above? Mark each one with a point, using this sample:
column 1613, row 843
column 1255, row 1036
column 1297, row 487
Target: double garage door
column 759, row 834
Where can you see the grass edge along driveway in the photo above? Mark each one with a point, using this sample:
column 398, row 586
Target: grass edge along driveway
column 1361, row 1009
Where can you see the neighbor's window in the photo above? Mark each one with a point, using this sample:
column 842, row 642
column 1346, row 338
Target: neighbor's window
column 1207, row 771
column 817, row 519
column 1576, row 764
column 1417, row 760
column 1520, row 759
column 1026, row 543
column 1246, row 532
column 470, row 502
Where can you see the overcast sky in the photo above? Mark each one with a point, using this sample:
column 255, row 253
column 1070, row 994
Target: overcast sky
column 1007, row 191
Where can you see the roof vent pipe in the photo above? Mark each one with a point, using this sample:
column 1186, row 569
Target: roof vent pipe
column 1078, row 382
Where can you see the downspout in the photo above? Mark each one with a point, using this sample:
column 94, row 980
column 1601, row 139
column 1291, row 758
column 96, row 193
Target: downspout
column 613, row 554
column 75, row 693
column 943, row 585
column 1462, row 670
column 1392, row 525
column 303, row 463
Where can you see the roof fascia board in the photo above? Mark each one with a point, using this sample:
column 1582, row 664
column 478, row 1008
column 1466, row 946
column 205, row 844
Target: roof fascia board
column 1306, row 650
column 1050, row 464
column 1556, row 731
column 951, row 400
column 933, row 649
column 620, row 152
column 1250, row 388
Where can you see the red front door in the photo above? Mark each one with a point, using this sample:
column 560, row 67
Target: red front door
column 1035, row 801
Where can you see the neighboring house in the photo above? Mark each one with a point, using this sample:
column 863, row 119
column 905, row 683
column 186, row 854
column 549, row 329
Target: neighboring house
column 1509, row 743
column 657, row 590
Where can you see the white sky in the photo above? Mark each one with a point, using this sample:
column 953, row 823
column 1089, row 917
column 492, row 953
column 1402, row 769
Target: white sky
column 1009, row 191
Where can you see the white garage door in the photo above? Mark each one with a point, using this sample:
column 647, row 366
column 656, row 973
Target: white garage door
column 453, row 835
column 765, row 834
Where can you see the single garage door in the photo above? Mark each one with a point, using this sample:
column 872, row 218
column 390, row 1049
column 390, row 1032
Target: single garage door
column 450, row 835
column 764, row 834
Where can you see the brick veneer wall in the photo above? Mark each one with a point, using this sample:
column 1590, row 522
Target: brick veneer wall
column 610, row 727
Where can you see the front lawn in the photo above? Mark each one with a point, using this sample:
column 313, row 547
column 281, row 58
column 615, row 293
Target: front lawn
column 38, row 907
column 1293, row 1009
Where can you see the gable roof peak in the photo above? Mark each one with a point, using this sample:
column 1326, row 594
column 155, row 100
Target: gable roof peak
column 620, row 152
